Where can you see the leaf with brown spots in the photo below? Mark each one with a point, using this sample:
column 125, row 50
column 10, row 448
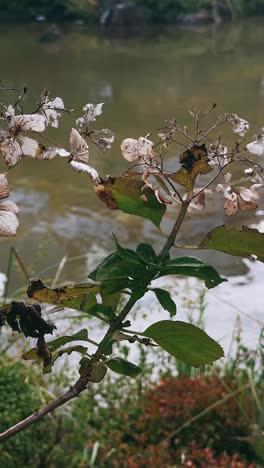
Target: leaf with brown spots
column 129, row 195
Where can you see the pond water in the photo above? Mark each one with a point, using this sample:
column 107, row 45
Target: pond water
column 142, row 82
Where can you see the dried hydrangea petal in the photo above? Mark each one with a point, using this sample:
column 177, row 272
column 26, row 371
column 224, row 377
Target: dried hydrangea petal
column 8, row 220
column 129, row 148
column 240, row 126
column 13, row 149
column 231, row 205
column 80, row 167
column 30, row 123
column 105, row 143
column 50, row 109
column 79, row 147
column 256, row 147
column 91, row 112
column 4, row 188
column 140, row 150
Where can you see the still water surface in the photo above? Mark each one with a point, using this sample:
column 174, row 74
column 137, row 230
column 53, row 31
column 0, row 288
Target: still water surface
column 142, row 81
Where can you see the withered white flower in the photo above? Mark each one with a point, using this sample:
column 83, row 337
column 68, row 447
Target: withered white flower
column 13, row 149
column 50, row 109
column 8, row 210
column 105, row 142
column 24, row 122
column 198, row 202
column 91, row 112
column 140, row 150
column 257, row 146
column 14, row 146
column 217, row 155
column 240, row 126
column 79, row 147
column 239, row 198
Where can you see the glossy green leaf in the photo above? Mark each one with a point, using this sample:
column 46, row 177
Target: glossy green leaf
column 116, row 268
column 243, row 242
column 121, row 366
column 147, row 254
column 128, row 195
column 127, row 254
column 191, row 266
column 166, row 301
column 185, row 341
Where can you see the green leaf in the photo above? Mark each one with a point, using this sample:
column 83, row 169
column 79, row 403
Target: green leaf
column 81, row 335
column 127, row 254
column 241, row 243
column 185, row 341
column 121, row 366
column 114, row 286
column 94, row 371
column 78, row 349
column 99, row 370
column 165, row 301
column 85, row 365
column 191, row 266
column 110, row 300
column 127, row 194
column 147, row 254
column 116, row 268
column 103, row 310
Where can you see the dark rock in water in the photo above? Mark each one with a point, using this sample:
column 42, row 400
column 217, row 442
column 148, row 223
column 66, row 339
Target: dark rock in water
column 52, row 34
column 194, row 19
column 123, row 14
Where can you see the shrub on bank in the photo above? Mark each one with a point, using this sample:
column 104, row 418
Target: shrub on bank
column 135, row 426
column 138, row 430
column 20, row 396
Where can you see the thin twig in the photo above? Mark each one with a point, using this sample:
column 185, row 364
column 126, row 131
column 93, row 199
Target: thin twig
column 22, row 265
column 8, row 273
column 59, row 270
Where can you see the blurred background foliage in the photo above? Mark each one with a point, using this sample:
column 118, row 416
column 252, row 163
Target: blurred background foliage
column 91, row 9
column 171, row 415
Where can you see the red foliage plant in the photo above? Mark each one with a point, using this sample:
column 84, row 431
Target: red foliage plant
column 146, row 437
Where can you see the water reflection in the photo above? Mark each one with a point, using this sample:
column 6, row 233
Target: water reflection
column 143, row 82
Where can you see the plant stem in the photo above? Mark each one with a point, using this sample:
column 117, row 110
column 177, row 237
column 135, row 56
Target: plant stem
column 82, row 382
column 8, row 273
column 175, row 229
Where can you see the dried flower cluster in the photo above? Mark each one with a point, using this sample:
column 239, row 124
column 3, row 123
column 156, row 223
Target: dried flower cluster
column 204, row 153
